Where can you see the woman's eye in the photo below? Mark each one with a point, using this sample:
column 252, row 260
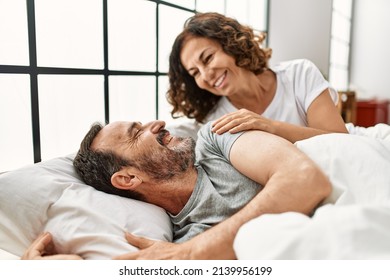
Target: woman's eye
column 208, row 58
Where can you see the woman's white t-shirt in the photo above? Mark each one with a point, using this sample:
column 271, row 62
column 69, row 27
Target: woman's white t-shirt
column 299, row 82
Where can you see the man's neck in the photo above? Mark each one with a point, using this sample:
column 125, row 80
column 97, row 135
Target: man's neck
column 172, row 195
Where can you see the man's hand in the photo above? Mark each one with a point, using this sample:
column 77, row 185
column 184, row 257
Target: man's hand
column 154, row 250
column 43, row 249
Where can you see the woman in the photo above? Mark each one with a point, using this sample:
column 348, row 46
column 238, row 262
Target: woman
column 218, row 72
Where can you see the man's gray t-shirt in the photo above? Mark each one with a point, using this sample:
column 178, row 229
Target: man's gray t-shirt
column 220, row 189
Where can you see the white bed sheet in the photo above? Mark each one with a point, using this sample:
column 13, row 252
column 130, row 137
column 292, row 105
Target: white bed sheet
column 354, row 223
column 4, row 255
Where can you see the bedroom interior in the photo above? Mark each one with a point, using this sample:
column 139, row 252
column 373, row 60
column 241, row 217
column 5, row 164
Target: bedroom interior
column 67, row 64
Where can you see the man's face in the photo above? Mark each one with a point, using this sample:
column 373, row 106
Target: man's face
column 150, row 148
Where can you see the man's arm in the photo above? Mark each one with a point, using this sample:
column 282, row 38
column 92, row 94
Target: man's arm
column 292, row 182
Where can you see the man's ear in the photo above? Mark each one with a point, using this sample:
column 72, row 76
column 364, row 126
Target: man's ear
column 126, row 179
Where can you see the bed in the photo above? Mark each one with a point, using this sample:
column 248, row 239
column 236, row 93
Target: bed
column 353, row 222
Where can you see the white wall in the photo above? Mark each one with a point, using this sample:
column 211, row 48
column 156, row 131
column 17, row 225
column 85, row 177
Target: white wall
column 301, row 29
column 370, row 57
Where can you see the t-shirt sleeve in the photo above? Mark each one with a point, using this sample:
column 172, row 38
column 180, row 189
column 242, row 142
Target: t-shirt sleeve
column 310, row 83
column 211, row 145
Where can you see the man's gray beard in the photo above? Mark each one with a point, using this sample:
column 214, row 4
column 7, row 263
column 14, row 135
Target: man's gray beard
column 171, row 162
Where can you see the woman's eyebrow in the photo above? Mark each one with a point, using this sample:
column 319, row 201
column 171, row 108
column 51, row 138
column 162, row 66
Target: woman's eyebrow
column 202, row 54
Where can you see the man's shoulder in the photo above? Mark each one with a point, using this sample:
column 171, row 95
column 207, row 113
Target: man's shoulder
column 206, row 134
column 205, row 137
column 211, row 142
column 205, row 130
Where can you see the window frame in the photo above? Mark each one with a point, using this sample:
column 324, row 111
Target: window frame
column 33, row 70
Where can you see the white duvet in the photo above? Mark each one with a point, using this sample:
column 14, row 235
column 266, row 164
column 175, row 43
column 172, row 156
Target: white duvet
column 353, row 223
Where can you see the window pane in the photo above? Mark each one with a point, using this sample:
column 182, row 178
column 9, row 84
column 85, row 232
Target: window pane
column 238, row 9
column 341, row 27
column 69, row 33
column 13, row 32
column 132, row 98
column 249, row 12
column 164, row 108
column 257, row 14
column 171, row 23
column 340, row 47
column 339, row 54
column 344, row 7
column 132, row 35
column 211, row 6
column 68, row 105
column 16, row 146
column 338, row 78
column 190, row 4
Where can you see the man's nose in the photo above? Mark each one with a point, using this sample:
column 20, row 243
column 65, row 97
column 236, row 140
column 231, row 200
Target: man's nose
column 155, row 126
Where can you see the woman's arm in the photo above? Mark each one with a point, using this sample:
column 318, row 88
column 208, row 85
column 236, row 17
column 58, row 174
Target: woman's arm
column 322, row 117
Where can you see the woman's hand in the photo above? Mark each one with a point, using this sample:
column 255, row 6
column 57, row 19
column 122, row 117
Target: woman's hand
column 43, row 249
column 242, row 120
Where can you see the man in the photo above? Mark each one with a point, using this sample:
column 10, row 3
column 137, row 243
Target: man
column 235, row 178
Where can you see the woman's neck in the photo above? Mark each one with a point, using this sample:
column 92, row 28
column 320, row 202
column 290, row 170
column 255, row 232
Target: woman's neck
column 258, row 94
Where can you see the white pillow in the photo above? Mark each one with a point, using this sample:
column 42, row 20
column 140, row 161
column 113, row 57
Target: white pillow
column 49, row 196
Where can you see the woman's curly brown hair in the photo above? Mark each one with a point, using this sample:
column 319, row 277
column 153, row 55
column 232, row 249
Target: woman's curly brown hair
column 237, row 40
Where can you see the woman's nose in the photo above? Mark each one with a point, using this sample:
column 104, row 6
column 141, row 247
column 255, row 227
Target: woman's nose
column 208, row 75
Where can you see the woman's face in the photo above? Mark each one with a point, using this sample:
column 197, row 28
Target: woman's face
column 212, row 69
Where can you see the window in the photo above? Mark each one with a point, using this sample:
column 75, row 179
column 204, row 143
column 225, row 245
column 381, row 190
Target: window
column 65, row 64
column 340, row 44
